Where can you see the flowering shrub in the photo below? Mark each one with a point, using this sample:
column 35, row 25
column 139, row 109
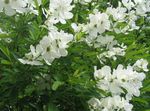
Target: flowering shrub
column 74, row 55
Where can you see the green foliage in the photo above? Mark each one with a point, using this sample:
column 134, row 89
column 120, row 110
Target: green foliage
column 65, row 85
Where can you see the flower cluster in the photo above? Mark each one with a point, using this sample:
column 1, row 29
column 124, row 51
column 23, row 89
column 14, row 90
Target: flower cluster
column 31, row 7
column 55, row 43
column 100, row 32
column 59, row 11
column 10, row 7
column 99, row 23
column 110, row 104
column 127, row 13
column 141, row 65
column 112, row 53
column 121, row 84
column 120, row 81
column 121, row 19
column 50, row 47
column 141, row 6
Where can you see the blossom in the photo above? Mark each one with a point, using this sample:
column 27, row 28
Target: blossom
column 112, row 53
column 50, row 47
column 118, row 13
column 77, row 28
column 114, row 80
column 141, row 64
column 54, row 45
column 115, row 103
column 110, row 104
column 12, row 6
column 94, row 103
column 104, row 78
column 142, row 8
column 31, row 62
column 129, row 79
column 33, row 57
column 99, row 23
column 129, row 23
column 48, row 50
column 131, row 20
column 59, row 11
column 102, row 41
column 128, row 4
column 32, row 6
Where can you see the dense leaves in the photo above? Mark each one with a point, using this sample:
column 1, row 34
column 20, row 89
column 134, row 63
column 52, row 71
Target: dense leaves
column 67, row 84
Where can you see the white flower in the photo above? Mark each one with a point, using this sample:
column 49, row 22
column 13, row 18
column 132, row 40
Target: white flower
column 129, row 79
column 112, row 53
column 94, row 103
column 77, row 28
column 104, row 72
column 130, row 23
column 141, row 64
column 32, row 6
column 118, row 13
column 33, row 58
column 60, row 11
column 141, row 6
column 104, row 41
column 104, row 78
column 128, row 4
column 54, row 45
column 30, row 62
column 48, row 50
column 114, row 81
column 131, row 20
column 10, row 7
column 62, row 38
column 114, row 103
column 141, row 9
column 99, row 23
column 50, row 47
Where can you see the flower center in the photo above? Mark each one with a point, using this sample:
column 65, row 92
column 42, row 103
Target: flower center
column 48, row 49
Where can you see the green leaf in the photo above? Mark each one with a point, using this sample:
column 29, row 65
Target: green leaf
column 5, row 51
column 141, row 100
column 4, row 35
column 5, row 62
column 52, row 107
column 56, row 85
column 79, row 35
